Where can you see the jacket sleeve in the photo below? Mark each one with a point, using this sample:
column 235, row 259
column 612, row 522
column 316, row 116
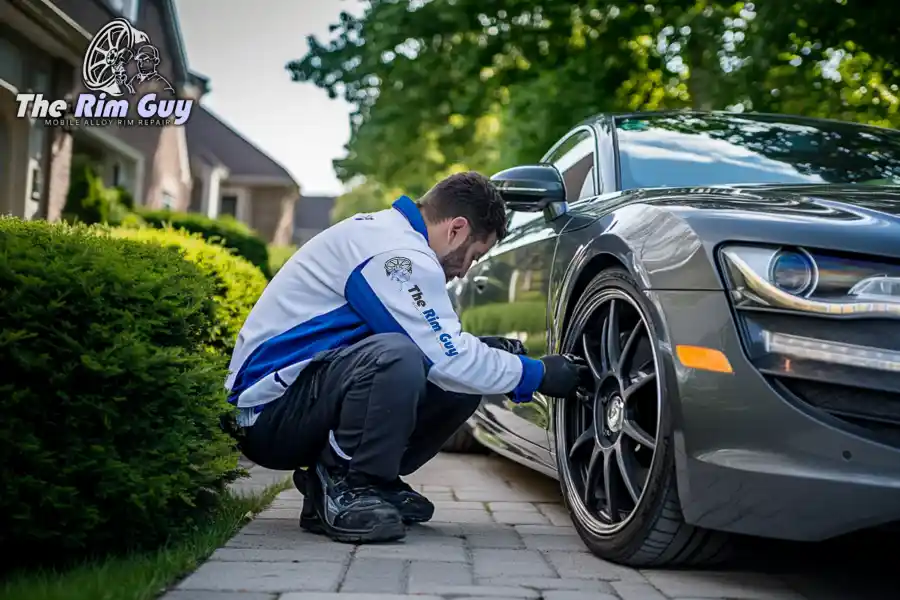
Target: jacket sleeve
column 405, row 292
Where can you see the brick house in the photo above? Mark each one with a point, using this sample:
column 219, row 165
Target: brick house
column 42, row 47
column 232, row 176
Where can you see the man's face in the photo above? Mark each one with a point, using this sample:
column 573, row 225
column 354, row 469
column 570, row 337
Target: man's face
column 464, row 249
column 145, row 61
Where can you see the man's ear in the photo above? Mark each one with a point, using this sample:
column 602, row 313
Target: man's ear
column 459, row 228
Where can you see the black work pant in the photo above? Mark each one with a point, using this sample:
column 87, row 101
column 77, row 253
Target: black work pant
column 375, row 396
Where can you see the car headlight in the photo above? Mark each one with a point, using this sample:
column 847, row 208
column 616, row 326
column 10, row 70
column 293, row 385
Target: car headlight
column 810, row 281
column 769, row 283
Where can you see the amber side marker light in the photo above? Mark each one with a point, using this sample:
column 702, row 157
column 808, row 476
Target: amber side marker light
column 706, row 359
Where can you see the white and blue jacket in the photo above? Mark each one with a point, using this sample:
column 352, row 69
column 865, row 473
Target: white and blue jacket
column 372, row 273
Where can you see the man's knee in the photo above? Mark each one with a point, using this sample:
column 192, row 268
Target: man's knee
column 453, row 402
column 398, row 354
column 469, row 402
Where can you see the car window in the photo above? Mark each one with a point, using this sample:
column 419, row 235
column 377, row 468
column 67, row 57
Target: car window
column 722, row 149
column 575, row 161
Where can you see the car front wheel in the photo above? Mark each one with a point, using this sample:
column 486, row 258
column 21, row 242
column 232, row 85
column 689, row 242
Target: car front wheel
column 614, row 442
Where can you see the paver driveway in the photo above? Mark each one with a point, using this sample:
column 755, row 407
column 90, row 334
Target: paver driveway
column 499, row 532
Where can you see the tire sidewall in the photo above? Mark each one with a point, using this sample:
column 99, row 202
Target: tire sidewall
column 628, row 540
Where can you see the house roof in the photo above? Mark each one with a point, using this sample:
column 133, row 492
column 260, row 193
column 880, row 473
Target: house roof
column 216, row 143
column 176, row 39
column 313, row 212
column 201, row 81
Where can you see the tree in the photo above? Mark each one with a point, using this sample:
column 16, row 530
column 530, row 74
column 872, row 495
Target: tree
column 426, row 74
column 365, row 196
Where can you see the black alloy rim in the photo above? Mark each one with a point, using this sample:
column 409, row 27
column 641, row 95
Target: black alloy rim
column 610, row 434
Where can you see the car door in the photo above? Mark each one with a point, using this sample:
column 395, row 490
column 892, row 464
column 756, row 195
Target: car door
column 510, row 287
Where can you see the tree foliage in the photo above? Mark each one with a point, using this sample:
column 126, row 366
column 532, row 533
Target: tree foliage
column 447, row 84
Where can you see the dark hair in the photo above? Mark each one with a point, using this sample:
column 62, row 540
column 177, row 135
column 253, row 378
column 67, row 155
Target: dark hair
column 470, row 195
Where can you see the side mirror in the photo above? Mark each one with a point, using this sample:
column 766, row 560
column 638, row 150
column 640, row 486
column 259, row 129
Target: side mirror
column 530, row 188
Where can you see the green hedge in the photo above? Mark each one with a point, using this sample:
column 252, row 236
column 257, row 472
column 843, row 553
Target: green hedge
column 226, row 230
column 237, row 283
column 89, row 201
column 110, row 438
column 503, row 317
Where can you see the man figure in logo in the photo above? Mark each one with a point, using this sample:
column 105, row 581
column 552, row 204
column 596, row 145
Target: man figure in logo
column 353, row 362
column 147, row 59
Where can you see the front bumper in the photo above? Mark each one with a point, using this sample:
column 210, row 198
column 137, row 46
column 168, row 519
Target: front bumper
column 752, row 456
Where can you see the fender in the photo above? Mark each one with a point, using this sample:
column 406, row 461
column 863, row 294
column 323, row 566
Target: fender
column 656, row 246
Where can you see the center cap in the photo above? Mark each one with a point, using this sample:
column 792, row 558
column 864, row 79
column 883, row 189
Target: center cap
column 615, row 414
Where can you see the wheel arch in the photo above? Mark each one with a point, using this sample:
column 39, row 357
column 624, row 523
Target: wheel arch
column 607, row 251
column 603, row 252
column 657, row 246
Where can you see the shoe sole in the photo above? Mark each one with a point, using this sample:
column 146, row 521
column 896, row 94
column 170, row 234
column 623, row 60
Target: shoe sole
column 314, row 524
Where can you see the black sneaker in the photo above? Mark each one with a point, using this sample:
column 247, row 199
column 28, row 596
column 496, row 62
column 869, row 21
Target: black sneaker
column 413, row 506
column 309, row 520
column 348, row 508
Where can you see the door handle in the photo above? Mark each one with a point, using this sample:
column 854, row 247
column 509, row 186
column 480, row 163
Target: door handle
column 480, row 282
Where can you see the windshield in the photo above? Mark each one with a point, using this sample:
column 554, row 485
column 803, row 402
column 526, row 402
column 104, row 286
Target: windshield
column 690, row 150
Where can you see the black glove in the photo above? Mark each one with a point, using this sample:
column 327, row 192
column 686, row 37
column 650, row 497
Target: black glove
column 563, row 373
column 501, row 343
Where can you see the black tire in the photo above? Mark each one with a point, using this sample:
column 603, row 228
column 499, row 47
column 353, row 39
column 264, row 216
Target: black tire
column 654, row 532
column 463, row 442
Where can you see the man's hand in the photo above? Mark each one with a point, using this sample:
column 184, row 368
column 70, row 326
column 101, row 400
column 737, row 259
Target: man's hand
column 507, row 344
column 563, row 373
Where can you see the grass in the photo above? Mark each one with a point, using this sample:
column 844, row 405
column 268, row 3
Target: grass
column 141, row 576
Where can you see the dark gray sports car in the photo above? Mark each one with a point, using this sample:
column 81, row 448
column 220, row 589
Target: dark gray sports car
column 733, row 281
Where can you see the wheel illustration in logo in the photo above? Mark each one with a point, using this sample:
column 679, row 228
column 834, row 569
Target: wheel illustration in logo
column 398, row 269
column 103, row 69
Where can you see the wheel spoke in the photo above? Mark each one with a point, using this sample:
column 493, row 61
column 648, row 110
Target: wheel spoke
column 610, row 488
column 637, row 385
column 611, row 338
column 637, row 433
column 593, row 474
column 587, row 437
column 626, row 467
column 590, row 357
column 629, row 348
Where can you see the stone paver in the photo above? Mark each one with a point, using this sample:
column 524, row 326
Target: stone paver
column 499, row 532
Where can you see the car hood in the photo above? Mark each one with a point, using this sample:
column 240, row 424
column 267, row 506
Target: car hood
column 855, row 218
column 823, row 201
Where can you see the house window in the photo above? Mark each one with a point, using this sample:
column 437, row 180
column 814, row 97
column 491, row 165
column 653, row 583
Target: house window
column 117, row 175
column 168, row 201
column 126, row 8
column 12, row 69
column 229, row 205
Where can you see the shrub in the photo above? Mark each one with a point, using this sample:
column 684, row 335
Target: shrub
column 132, row 221
column 110, row 438
column 237, row 283
column 89, row 201
column 226, row 230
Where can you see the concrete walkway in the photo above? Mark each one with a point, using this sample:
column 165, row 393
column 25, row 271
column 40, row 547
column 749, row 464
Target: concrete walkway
column 499, row 532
